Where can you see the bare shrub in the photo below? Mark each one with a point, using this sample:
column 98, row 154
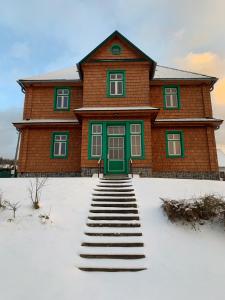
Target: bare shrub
column 2, row 201
column 195, row 210
column 13, row 207
column 35, row 189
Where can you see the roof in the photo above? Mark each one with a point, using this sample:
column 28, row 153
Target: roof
column 189, row 120
column 221, row 158
column 161, row 73
column 23, row 123
column 111, row 36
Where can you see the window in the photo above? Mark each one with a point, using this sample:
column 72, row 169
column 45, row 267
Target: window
column 135, row 140
column 62, row 99
column 175, row 144
column 171, row 97
column 60, row 144
column 116, row 83
column 116, row 49
column 96, row 140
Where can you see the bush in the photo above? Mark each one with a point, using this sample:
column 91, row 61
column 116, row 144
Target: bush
column 195, row 210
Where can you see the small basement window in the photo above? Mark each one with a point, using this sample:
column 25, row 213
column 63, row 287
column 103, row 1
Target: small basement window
column 62, row 99
column 60, row 142
column 171, row 97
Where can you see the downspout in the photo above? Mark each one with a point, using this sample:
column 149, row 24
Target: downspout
column 16, row 154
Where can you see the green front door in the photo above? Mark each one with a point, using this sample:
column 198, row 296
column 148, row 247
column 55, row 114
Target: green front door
column 116, row 149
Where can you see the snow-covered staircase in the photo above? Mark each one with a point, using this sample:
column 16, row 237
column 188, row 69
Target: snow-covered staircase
column 113, row 239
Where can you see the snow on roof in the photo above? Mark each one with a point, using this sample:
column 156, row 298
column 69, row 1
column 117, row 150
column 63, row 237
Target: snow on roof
column 221, row 158
column 161, row 72
column 70, row 73
column 116, row 108
column 189, row 120
column 39, row 121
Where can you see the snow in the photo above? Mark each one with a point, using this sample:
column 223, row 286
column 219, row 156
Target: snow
column 39, row 261
column 188, row 119
column 221, row 158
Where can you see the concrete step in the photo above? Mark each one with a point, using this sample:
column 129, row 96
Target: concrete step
column 114, row 211
column 114, row 185
column 115, row 190
column 113, row 256
column 113, row 224
column 114, row 234
column 86, row 244
column 115, row 194
column 114, row 218
column 122, row 205
column 111, row 269
column 107, row 199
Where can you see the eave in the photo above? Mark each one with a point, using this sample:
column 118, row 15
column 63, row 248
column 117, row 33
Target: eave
column 215, row 123
column 45, row 122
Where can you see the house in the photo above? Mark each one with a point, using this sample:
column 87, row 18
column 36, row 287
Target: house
column 221, row 162
column 119, row 107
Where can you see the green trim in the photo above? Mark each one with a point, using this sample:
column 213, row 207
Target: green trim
column 55, row 98
column 52, row 156
column 116, row 47
column 117, row 60
column 109, row 72
column 181, row 133
column 127, row 140
column 178, row 97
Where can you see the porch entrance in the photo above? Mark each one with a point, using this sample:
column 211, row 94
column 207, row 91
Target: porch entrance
column 116, row 161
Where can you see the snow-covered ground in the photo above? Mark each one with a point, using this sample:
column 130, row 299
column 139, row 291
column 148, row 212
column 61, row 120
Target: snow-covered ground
column 39, row 261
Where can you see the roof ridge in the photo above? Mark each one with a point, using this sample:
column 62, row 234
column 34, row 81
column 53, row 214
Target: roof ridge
column 185, row 71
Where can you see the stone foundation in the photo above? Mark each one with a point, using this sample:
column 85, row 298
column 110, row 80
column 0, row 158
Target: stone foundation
column 190, row 175
column 143, row 172
column 69, row 174
column 88, row 172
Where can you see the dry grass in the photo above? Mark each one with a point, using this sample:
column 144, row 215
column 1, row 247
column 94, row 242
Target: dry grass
column 209, row 207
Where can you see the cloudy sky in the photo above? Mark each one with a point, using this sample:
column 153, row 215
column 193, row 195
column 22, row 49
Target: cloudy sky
column 44, row 35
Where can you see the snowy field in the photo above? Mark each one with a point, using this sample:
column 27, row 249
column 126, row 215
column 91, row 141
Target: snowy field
column 39, row 261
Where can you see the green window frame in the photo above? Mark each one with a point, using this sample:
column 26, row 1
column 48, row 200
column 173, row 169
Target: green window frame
column 136, row 140
column 95, row 139
column 62, row 97
column 116, row 83
column 174, row 144
column 60, row 145
column 116, row 49
column 171, row 97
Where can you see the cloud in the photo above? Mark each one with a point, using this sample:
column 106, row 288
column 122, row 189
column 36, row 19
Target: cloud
column 8, row 132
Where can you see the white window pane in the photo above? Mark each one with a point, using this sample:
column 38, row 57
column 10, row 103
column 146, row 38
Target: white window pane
column 56, row 148
column 170, row 148
column 177, row 148
column 96, row 145
column 119, row 88
column 65, row 102
column 63, row 148
column 112, row 88
column 119, row 76
column 112, row 76
column 174, row 101
column 65, row 92
column 59, row 92
column 97, row 129
column 116, row 130
column 135, row 128
column 135, row 145
column 59, row 102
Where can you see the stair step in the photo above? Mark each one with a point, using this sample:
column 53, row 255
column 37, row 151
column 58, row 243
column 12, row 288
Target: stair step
column 116, row 190
column 113, row 256
column 114, row 211
column 120, row 194
column 115, row 185
column 86, row 244
column 112, row 269
column 114, row 205
column 116, row 234
column 114, row 199
column 114, row 224
column 116, row 179
column 114, row 218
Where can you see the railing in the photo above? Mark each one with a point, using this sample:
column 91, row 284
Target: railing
column 131, row 167
column 100, row 166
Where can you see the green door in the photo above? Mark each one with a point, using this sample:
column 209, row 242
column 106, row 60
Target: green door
column 116, row 152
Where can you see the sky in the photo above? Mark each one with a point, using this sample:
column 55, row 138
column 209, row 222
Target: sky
column 46, row 35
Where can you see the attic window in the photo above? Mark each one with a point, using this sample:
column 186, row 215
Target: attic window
column 116, row 49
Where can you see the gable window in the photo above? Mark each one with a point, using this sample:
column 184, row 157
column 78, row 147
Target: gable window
column 96, row 140
column 116, row 83
column 175, row 144
column 116, row 49
column 136, row 136
column 171, row 97
column 62, row 99
column 60, row 142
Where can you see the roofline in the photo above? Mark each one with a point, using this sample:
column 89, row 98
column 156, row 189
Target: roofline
column 116, row 32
